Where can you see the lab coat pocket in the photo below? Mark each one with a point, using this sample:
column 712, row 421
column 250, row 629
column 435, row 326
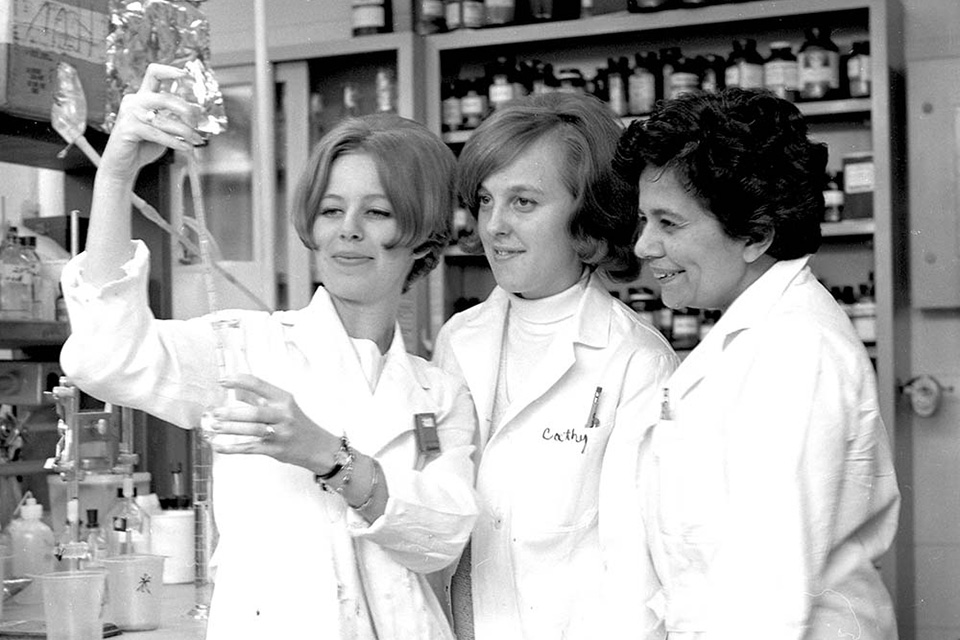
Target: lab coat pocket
column 558, row 572
column 691, row 480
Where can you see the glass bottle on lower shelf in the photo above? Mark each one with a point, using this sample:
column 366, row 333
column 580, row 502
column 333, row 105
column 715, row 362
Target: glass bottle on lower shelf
column 128, row 528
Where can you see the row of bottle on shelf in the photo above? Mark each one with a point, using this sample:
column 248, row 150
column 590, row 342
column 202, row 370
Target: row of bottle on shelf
column 685, row 328
column 437, row 16
column 814, row 73
column 27, row 290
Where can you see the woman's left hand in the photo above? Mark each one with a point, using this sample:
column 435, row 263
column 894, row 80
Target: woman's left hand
column 271, row 415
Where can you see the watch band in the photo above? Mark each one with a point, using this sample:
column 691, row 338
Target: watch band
column 342, row 457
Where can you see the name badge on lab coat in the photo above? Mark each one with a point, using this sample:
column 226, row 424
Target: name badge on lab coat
column 425, row 428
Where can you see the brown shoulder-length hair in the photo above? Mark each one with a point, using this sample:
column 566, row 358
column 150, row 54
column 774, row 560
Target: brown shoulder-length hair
column 603, row 227
column 416, row 171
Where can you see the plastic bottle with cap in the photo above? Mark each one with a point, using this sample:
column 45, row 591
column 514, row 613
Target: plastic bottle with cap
column 32, row 544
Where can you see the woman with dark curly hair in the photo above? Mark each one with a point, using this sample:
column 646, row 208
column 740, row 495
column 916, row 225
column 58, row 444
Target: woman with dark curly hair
column 564, row 377
column 769, row 487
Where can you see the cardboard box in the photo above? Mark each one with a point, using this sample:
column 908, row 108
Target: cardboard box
column 858, row 184
column 37, row 34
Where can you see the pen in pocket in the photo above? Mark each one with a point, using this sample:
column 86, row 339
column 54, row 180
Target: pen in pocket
column 592, row 421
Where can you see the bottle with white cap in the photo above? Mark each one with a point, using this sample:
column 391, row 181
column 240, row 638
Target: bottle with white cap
column 32, row 544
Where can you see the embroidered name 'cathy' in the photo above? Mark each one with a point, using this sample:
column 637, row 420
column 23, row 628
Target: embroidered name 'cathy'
column 568, row 435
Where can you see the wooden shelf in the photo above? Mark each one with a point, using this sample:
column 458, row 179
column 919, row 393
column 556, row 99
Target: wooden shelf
column 37, row 144
column 848, row 228
column 827, row 110
column 18, row 334
column 836, row 109
column 622, row 22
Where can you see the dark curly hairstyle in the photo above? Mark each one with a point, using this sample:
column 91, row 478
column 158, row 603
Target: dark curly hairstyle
column 604, row 226
column 746, row 156
column 415, row 168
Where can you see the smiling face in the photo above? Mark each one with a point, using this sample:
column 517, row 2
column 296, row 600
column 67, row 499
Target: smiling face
column 351, row 232
column 693, row 259
column 523, row 222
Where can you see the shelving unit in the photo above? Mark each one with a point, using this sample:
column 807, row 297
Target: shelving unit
column 852, row 249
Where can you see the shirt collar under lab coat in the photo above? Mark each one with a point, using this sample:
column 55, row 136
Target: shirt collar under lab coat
column 478, row 344
column 749, row 309
column 591, row 326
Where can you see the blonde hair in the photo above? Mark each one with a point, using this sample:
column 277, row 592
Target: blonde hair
column 415, row 169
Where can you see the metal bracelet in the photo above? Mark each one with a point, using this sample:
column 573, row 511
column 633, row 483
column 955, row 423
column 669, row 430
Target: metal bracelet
column 373, row 488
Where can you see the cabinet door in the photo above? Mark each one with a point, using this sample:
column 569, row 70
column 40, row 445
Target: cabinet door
column 934, row 114
column 239, row 219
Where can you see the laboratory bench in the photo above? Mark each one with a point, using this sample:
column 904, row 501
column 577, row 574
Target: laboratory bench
column 176, row 624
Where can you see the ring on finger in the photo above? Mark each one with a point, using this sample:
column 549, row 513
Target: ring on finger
column 151, row 116
column 268, row 432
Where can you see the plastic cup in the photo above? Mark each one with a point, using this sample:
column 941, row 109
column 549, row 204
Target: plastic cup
column 73, row 604
column 135, row 583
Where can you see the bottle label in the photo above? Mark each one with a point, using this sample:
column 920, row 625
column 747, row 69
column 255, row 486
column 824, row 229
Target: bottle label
column 781, row 74
column 452, row 13
column 858, row 177
column 349, row 97
column 618, row 96
column 472, row 105
column 731, row 76
column 366, row 16
column 819, row 68
column 452, row 114
column 859, row 67
column 858, row 75
column 14, row 274
column 682, row 82
column 500, row 93
column 642, row 90
column 384, row 91
column 473, row 16
column 431, row 9
column 751, row 76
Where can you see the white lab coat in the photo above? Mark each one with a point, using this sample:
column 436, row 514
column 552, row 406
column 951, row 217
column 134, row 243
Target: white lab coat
column 548, row 559
column 770, row 489
column 286, row 561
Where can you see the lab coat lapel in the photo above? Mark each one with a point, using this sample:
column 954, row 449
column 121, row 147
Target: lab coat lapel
column 750, row 309
column 333, row 386
column 318, row 334
column 477, row 348
column 400, row 394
